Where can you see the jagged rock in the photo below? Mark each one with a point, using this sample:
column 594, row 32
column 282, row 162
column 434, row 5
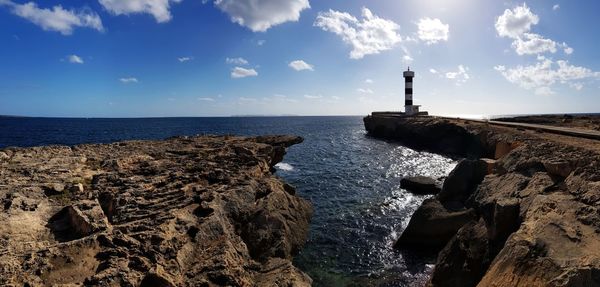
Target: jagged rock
column 465, row 258
column 539, row 225
column 462, row 181
column 432, row 226
column 420, row 185
column 187, row 211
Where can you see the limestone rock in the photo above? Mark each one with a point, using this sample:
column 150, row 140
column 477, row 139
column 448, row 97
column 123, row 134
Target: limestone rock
column 186, row 211
column 463, row 180
column 465, row 258
column 420, row 185
column 432, row 226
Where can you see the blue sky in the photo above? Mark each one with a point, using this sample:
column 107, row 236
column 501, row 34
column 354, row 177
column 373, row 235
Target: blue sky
column 112, row 58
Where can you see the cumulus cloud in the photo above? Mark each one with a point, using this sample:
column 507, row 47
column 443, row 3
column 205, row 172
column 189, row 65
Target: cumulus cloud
column 545, row 73
column 368, row 81
column 533, row 44
column 128, row 80
column 239, row 72
column 516, row 24
column 513, row 23
column 184, row 59
column 236, row 61
column 260, row 15
column 300, row 65
column 74, row 59
column 433, row 30
column 433, row 71
column 157, row 8
column 460, row 75
column 370, row 35
column 206, row 99
column 56, row 19
column 555, row 7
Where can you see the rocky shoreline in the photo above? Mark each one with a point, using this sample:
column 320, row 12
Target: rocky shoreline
column 522, row 208
column 186, row 211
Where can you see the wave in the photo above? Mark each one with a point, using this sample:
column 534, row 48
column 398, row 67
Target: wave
column 284, row 166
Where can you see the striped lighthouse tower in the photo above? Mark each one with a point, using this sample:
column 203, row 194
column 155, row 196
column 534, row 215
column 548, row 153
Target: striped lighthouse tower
column 409, row 108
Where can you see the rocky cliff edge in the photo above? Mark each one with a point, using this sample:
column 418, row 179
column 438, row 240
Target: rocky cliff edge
column 187, row 211
column 524, row 210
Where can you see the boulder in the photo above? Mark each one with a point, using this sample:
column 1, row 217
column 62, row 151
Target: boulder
column 558, row 167
column 420, row 185
column 432, row 226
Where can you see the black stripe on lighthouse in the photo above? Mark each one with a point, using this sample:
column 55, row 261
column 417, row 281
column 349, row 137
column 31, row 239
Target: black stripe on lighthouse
column 408, row 102
column 408, row 91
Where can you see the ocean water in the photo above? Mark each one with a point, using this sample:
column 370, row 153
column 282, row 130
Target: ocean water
column 352, row 180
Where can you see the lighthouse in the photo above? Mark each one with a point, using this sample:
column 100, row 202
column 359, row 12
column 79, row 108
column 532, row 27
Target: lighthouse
column 409, row 108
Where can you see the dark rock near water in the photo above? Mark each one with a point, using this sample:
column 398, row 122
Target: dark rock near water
column 465, row 258
column 432, row 226
column 420, row 185
column 462, row 181
column 534, row 217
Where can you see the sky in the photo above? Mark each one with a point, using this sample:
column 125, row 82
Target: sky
column 165, row 58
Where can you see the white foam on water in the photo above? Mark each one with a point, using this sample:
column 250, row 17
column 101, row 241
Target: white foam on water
column 284, row 166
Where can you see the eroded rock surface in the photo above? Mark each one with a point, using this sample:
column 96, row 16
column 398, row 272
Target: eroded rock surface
column 188, row 211
column 535, row 201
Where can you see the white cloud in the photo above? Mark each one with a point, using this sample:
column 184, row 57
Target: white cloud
column 371, row 35
column 260, row 15
column 236, row 61
column 368, row 81
column 407, row 59
column 157, row 8
column 335, row 98
column 56, row 19
column 460, row 75
column 245, row 99
column 530, row 44
column 433, row 30
column 75, row 59
column 513, row 23
column 313, row 97
column 555, row 7
column 365, row 91
column 517, row 23
column 433, row 71
column 261, row 42
column 239, row 72
column 184, row 59
column 206, row 99
column 128, row 80
column 300, row 65
column 568, row 50
column 545, row 73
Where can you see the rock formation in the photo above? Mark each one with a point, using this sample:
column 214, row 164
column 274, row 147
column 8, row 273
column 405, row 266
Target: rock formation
column 187, row 211
column 420, row 185
column 534, row 201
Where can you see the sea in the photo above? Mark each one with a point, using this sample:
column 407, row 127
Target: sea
column 351, row 179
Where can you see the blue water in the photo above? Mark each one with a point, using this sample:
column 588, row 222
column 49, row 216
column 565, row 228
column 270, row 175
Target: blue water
column 352, row 180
